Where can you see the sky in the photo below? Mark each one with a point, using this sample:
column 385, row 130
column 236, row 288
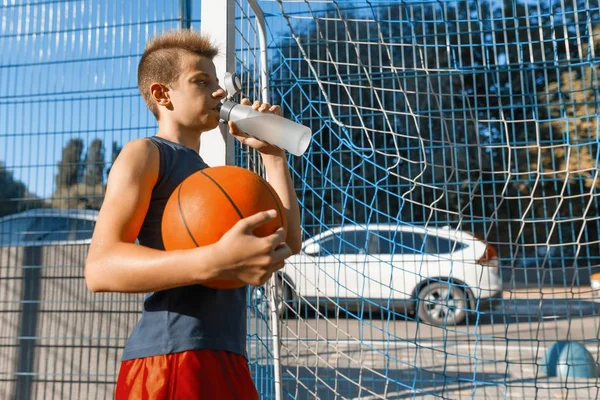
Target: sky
column 68, row 70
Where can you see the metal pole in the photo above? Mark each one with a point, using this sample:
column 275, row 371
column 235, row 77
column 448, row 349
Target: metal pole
column 185, row 14
column 262, row 38
column 272, row 284
column 30, row 304
column 218, row 21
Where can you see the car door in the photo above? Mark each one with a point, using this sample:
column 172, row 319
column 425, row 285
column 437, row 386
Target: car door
column 406, row 250
column 393, row 260
column 438, row 257
column 378, row 272
column 352, row 269
column 332, row 271
column 312, row 270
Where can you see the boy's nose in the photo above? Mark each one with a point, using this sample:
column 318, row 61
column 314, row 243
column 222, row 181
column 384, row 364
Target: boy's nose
column 220, row 93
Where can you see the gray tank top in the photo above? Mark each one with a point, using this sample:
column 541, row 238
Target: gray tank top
column 190, row 317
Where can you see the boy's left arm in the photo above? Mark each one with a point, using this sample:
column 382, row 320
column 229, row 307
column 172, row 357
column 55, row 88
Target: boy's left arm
column 281, row 180
column 278, row 173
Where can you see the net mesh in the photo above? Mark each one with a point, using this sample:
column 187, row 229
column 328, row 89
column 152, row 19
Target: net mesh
column 455, row 149
column 449, row 198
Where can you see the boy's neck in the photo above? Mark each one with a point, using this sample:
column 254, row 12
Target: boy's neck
column 187, row 138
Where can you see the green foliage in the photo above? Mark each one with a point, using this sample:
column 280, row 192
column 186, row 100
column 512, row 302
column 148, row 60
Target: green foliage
column 439, row 123
column 80, row 183
column 14, row 196
column 94, row 164
column 70, row 166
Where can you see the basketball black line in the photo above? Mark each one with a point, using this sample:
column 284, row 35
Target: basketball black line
column 269, row 189
column 237, row 210
column 182, row 216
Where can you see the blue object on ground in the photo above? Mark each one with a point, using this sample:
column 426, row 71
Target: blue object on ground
column 566, row 359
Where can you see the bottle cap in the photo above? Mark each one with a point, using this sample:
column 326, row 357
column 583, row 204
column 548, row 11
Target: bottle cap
column 233, row 84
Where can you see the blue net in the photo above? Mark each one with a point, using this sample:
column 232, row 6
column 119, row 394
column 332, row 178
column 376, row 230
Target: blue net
column 449, row 197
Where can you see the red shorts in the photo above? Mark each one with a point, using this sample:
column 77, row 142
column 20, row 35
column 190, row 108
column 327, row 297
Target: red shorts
column 189, row 375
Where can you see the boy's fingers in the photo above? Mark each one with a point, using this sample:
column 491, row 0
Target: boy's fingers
column 233, row 127
column 277, row 266
column 234, row 130
column 254, row 221
column 275, row 110
column 258, row 106
column 264, row 279
column 282, row 252
column 276, row 238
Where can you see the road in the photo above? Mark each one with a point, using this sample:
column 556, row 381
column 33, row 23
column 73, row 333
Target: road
column 496, row 355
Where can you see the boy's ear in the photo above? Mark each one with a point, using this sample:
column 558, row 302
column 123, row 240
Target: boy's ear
column 160, row 94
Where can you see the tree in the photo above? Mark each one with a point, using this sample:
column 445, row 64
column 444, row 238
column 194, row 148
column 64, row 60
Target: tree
column 14, row 196
column 80, row 183
column 70, row 166
column 94, row 164
column 570, row 162
column 421, row 121
column 11, row 194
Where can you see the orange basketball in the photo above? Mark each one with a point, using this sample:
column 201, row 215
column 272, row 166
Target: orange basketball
column 210, row 202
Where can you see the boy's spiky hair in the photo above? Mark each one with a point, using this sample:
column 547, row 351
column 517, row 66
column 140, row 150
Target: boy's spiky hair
column 163, row 57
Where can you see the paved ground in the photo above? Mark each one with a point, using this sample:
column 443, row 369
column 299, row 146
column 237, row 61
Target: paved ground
column 498, row 355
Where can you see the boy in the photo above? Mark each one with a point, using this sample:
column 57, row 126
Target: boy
column 190, row 340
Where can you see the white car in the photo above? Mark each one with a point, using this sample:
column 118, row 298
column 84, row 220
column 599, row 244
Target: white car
column 438, row 274
column 44, row 300
column 48, row 226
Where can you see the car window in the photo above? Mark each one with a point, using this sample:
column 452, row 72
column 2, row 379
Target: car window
column 13, row 230
column 34, row 230
column 354, row 242
column 395, row 242
column 350, row 242
column 407, row 243
column 381, row 242
column 329, row 245
column 61, row 229
column 48, row 228
column 438, row 245
column 83, row 228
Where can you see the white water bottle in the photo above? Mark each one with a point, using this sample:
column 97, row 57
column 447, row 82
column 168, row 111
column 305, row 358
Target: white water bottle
column 271, row 128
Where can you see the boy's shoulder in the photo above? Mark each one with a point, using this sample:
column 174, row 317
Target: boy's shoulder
column 139, row 156
column 139, row 144
column 139, row 149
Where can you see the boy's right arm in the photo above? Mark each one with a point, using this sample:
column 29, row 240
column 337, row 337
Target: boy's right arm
column 116, row 264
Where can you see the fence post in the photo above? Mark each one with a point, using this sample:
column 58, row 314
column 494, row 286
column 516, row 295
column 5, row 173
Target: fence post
column 272, row 284
column 218, row 21
column 185, row 14
column 30, row 300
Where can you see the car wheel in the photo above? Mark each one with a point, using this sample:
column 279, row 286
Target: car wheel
column 284, row 300
column 442, row 304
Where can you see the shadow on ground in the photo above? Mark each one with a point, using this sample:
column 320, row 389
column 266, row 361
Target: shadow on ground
column 559, row 277
column 347, row 383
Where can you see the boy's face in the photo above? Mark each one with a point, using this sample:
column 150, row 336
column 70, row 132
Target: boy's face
column 196, row 95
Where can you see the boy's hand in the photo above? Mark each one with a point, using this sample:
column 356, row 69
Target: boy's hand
column 248, row 258
column 257, row 144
